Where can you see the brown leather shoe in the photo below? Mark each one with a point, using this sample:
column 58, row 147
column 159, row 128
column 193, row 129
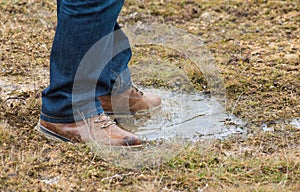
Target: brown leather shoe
column 100, row 129
column 129, row 102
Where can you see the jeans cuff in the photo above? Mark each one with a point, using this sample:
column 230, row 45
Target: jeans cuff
column 122, row 89
column 71, row 119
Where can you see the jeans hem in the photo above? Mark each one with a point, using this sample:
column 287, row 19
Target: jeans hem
column 122, row 90
column 71, row 119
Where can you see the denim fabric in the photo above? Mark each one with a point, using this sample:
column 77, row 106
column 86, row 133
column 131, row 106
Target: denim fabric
column 80, row 24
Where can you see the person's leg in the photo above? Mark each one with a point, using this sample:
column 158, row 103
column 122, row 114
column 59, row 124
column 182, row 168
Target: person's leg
column 80, row 25
column 120, row 77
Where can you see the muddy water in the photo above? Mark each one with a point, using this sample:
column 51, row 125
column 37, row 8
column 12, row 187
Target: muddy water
column 7, row 88
column 296, row 123
column 11, row 87
column 192, row 116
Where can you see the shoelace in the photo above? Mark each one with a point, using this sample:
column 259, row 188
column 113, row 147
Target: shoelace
column 106, row 122
column 137, row 90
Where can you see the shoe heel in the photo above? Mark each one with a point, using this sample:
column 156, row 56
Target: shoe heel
column 49, row 134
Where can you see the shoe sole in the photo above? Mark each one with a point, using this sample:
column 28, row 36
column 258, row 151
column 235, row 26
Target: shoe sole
column 50, row 134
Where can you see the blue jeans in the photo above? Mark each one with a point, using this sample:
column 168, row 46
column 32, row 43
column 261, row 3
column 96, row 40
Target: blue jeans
column 81, row 24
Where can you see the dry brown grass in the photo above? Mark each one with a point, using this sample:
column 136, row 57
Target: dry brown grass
column 256, row 46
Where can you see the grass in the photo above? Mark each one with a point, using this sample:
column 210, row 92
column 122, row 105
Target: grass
column 256, row 46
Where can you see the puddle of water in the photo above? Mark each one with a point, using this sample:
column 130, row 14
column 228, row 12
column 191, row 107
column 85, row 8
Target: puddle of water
column 265, row 127
column 270, row 126
column 13, row 86
column 6, row 87
column 190, row 116
column 11, row 91
column 296, row 123
column 182, row 119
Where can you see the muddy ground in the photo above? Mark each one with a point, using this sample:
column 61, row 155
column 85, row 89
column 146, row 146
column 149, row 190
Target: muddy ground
column 256, row 45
